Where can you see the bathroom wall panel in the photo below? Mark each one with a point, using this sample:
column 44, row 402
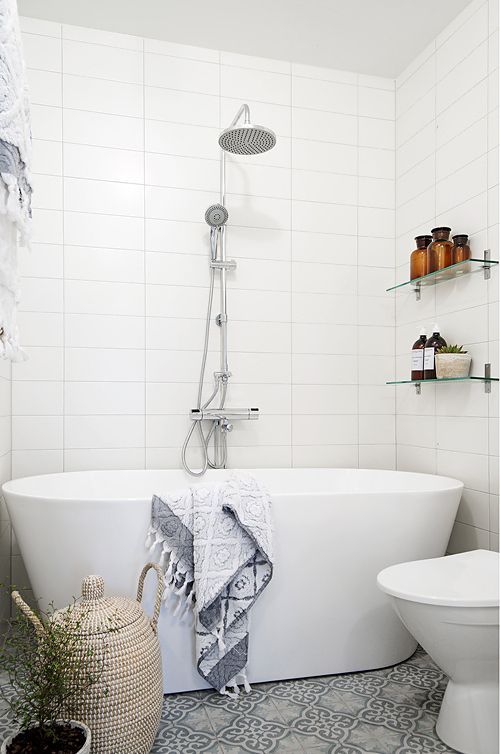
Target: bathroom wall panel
column 184, row 107
column 318, row 94
column 376, row 102
column 102, row 62
column 447, row 170
column 325, row 456
column 46, row 157
column 373, row 132
column 42, row 53
column 161, row 47
column 103, row 458
column 98, row 36
column 103, row 163
column 377, row 456
column 265, row 86
column 103, row 96
column 102, row 130
column 47, row 88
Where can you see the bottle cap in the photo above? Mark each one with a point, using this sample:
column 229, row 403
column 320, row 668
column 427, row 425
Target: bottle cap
column 422, row 331
column 461, row 239
column 435, row 327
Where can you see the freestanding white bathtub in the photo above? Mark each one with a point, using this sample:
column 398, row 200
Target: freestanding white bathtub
column 335, row 529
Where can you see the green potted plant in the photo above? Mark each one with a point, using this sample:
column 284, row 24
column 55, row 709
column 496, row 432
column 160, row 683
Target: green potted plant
column 452, row 362
column 45, row 660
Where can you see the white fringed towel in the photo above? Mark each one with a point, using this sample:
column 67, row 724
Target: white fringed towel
column 218, row 543
column 15, row 181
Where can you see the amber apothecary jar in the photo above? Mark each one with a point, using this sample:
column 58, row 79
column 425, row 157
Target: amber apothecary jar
column 461, row 249
column 418, row 258
column 439, row 251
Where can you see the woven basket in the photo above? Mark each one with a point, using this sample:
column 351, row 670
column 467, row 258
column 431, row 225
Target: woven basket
column 123, row 708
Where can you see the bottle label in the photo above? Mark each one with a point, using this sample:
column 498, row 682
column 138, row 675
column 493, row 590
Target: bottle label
column 429, row 354
column 417, row 359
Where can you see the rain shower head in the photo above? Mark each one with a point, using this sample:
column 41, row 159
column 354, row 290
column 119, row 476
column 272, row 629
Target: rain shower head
column 246, row 138
column 216, row 215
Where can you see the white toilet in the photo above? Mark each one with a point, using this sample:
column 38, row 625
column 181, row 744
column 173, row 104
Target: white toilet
column 450, row 605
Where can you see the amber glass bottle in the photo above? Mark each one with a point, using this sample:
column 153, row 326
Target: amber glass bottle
column 418, row 258
column 439, row 251
column 417, row 356
column 433, row 344
column 461, row 248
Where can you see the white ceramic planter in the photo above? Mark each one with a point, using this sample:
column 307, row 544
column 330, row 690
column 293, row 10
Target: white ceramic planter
column 84, row 750
column 452, row 365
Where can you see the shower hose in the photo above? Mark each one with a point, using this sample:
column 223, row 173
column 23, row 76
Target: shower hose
column 219, row 387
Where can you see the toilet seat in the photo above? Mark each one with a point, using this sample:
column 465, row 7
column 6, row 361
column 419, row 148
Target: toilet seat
column 469, row 579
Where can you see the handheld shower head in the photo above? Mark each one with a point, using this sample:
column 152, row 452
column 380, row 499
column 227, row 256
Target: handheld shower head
column 246, row 138
column 216, row 215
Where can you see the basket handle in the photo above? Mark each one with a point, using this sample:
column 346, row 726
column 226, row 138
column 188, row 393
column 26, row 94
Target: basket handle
column 159, row 591
column 28, row 612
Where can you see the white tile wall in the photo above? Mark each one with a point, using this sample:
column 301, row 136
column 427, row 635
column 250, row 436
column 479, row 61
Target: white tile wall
column 114, row 294
column 447, row 174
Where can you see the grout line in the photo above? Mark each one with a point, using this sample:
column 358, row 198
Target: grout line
column 141, row 216
column 202, row 125
column 436, row 49
column 292, row 271
column 206, row 96
column 446, row 177
column 358, row 421
column 488, row 282
column 395, row 310
column 144, row 236
column 175, row 156
column 63, row 434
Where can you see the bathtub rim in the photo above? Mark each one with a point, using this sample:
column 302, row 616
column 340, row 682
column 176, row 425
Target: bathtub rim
column 11, row 487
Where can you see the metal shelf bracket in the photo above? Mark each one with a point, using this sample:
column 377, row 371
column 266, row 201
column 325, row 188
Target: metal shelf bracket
column 487, row 377
column 487, row 265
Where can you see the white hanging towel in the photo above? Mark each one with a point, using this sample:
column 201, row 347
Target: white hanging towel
column 15, row 180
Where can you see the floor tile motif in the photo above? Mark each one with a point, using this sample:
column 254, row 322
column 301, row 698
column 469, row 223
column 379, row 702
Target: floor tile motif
column 388, row 711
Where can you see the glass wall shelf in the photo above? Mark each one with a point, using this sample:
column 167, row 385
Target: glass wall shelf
column 486, row 379
column 450, row 273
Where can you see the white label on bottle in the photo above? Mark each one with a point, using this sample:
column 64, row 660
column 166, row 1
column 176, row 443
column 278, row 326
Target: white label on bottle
column 429, row 358
column 417, row 359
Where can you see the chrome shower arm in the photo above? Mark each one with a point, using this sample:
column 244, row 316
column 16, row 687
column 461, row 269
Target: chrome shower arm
column 243, row 109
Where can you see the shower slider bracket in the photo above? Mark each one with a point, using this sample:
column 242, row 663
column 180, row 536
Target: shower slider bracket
column 222, row 414
column 228, row 264
column 222, row 376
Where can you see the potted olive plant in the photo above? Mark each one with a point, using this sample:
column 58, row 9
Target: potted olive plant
column 44, row 659
column 452, row 362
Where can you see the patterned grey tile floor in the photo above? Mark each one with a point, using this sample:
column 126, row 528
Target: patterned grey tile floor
column 389, row 711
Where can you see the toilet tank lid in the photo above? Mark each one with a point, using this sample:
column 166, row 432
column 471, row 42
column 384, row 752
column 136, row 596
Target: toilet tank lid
column 468, row 579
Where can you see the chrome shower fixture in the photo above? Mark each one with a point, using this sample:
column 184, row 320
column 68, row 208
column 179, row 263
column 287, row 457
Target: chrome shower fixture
column 216, row 215
column 212, row 412
column 246, row 138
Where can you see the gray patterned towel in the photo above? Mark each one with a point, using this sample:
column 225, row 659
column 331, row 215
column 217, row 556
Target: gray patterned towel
column 218, row 541
column 15, row 181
